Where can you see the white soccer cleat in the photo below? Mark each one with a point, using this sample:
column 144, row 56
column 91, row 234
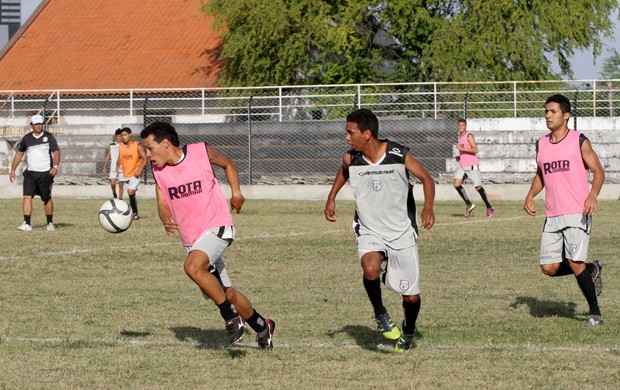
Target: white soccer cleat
column 24, row 227
column 51, row 227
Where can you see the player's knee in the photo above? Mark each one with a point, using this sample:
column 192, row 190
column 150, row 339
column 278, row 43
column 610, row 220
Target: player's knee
column 548, row 269
column 411, row 298
column 194, row 267
column 230, row 294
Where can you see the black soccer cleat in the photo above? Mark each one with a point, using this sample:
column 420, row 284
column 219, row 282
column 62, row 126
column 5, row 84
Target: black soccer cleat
column 265, row 338
column 235, row 329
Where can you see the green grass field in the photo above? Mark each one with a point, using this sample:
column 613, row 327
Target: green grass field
column 83, row 308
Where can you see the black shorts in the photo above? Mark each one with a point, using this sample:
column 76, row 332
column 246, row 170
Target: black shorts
column 38, row 183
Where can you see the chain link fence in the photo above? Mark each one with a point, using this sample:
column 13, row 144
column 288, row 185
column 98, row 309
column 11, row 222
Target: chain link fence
column 288, row 134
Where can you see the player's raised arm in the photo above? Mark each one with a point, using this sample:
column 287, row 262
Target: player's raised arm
column 232, row 176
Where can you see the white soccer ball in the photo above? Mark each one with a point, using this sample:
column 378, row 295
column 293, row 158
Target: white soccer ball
column 115, row 215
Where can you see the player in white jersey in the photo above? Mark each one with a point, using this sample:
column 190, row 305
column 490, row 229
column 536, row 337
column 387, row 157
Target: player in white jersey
column 112, row 158
column 379, row 172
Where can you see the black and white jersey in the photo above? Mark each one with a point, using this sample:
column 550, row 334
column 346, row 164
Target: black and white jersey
column 384, row 203
column 39, row 151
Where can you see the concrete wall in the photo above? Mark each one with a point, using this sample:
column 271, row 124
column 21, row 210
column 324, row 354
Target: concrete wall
column 506, row 146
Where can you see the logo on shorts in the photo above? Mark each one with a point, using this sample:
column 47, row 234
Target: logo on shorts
column 377, row 185
column 404, row 285
column 572, row 249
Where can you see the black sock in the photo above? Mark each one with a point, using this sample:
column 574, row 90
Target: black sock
column 133, row 203
column 226, row 310
column 483, row 195
column 373, row 289
column 564, row 269
column 27, row 219
column 584, row 280
column 411, row 311
column 49, row 218
column 114, row 195
column 463, row 194
column 257, row 322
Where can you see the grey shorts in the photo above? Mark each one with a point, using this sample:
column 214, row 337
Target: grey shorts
column 473, row 173
column 402, row 271
column 572, row 241
column 214, row 242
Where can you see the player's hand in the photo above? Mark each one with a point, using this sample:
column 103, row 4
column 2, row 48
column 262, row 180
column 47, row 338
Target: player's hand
column 12, row 176
column 590, row 206
column 138, row 173
column 236, row 201
column 530, row 206
column 171, row 227
column 53, row 171
column 330, row 210
column 428, row 218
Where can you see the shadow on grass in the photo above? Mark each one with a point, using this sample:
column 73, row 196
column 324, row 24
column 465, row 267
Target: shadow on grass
column 540, row 308
column 131, row 333
column 206, row 339
column 369, row 338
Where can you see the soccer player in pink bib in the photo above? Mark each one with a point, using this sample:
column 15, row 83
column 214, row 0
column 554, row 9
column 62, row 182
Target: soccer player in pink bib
column 468, row 168
column 564, row 157
column 191, row 203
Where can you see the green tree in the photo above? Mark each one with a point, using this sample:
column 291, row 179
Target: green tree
column 611, row 66
column 279, row 42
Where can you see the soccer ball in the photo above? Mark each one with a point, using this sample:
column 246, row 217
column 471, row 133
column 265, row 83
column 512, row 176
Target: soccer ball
column 115, row 215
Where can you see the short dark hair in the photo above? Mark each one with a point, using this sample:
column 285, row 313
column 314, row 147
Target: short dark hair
column 462, row 120
column 365, row 120
column 161, row 131
column 561, row 100
column 126, row 130
column 118, row 131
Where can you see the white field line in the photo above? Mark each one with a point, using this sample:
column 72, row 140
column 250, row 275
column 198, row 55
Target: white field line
column 326, row 345
column 256, row 237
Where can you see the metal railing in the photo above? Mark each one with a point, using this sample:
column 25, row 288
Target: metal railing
column 592, row 98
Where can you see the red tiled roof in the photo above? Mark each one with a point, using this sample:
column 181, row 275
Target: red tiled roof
column 111, row 44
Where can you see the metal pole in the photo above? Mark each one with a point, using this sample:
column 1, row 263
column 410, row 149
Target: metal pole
column 575, row 109
column 144, row 124
column 465, row 106
column 250, row 140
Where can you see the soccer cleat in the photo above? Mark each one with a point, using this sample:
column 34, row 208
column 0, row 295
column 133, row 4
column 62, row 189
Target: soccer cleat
column 404, row 342
column 235, row 329
column 265, row 338
column 490, row 213
column 469, row 209
column 594, row 321
column 24, row 227
column 136, row 216
column 597, row 277
column 51, row 227
column 387, row 327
